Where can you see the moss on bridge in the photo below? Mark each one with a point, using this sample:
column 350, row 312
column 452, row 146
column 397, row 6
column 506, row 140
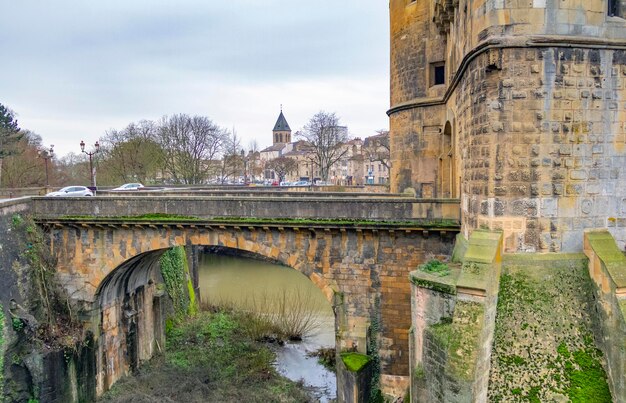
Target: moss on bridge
column 175, row 273
column 164, row 218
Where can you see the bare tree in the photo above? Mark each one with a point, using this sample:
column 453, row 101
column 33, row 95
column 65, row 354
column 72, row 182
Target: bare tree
column 253, row 146
column 376, row 148
column 72, row 168
column 281, row 166
column 189, row 146
column 131, row 154
column 232, row 162
column 325, row 135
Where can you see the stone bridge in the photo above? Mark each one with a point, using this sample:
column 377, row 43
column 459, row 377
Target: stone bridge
column 358, row 251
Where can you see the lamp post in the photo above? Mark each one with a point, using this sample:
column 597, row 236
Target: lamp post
column 245, row 167
column 46, row 155
column 91, row 154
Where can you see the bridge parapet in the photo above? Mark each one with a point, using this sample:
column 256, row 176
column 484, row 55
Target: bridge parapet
column 375, row 209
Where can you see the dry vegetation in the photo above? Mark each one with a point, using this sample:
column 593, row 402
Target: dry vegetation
column 210, row 358
column 285, row 315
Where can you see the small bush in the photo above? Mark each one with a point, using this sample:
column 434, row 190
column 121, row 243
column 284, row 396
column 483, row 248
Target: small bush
column 326, row 357
column 284, row 315
column 436, row 267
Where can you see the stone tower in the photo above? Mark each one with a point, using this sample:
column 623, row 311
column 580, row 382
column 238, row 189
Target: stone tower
column 282, row 131
column 516, row 108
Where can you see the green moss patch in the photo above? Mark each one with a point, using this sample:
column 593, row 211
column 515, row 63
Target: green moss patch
column 543, row 344
column 585, row 375
column 436, row 276
column 355, row 362
column 459, row 337
column 622, row 307
column 175, row 273
column 433, row 284
column 142, row 217
column 442, row 223
column 435, row 267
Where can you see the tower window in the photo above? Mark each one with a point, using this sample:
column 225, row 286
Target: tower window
column 614, row 8
column 437, row 73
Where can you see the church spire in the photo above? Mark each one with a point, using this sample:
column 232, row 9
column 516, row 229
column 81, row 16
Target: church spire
column 282, row 131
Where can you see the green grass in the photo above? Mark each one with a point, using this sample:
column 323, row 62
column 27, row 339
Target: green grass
column 209, row 358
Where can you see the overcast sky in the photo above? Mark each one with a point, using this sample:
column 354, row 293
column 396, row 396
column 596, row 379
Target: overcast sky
column 73, row 69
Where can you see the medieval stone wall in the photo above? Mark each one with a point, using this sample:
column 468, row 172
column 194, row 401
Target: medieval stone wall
column 530, row 131
column 543, row 146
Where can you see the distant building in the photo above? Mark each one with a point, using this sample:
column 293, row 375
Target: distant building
column 376, row 159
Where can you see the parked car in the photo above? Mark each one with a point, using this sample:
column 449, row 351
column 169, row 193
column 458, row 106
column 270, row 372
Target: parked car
column 70, row 191
column 302, row 183
column 129, row 186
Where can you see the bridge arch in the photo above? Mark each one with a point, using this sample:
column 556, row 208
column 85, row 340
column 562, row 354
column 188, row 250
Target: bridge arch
column 362, row 269
column 113, row 272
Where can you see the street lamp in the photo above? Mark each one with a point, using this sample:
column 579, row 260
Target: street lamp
column 46, row 155
column 245, row 167
column 91, row 154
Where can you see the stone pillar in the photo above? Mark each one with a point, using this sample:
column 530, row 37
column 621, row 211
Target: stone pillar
column 354, row 378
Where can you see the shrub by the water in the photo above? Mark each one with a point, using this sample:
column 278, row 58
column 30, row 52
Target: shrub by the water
column 283, row 315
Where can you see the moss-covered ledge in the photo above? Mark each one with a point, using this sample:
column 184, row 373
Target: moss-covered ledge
column 601, row 245
column 480, row 263
column 607, row 268
column 354, row 377
column 444, row 282
column 355, row 362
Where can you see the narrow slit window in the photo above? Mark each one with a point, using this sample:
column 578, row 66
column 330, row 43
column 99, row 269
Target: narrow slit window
column 614, row 8
column 437, row 73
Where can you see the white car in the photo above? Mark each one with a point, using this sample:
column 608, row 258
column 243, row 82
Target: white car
column 129, row 186
column 70, row 191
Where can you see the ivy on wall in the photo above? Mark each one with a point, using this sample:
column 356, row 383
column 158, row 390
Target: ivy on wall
column 374, row 330
column 175, row 273
column 2, row 349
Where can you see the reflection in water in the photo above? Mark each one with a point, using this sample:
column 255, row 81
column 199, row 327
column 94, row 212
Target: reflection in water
column 236, row 281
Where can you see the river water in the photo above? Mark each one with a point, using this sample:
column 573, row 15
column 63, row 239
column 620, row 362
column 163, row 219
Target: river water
column 248, row 284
